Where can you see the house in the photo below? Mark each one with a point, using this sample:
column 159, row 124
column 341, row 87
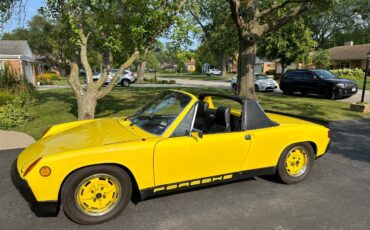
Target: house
column 190, row 66
column 18, row 55
column 261, row 65
column 349, row 56
column 205, row 67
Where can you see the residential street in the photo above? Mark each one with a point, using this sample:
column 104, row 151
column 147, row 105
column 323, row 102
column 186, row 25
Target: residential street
column 335, row 196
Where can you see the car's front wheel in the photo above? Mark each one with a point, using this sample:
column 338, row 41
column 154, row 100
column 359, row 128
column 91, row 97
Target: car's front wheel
column 96, row 194
column 125, row 83
column 295, row 163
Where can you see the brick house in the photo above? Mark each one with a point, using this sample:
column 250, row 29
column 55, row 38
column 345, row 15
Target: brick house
column 18, row 55
column 349, row 56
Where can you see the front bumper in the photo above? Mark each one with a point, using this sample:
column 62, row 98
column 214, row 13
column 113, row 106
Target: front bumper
column 345, row 91
column 48, row 208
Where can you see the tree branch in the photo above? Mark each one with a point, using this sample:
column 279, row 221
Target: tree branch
column 105, row 91
column 276, row 6
column 283, row 20
column 235, row 14
column 84, row 58
column 74, row 80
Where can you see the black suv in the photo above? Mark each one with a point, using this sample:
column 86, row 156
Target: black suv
column 317, row 81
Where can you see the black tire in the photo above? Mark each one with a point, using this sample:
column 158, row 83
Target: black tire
column 330, row 94
column 282, row 171
column 125, row 83
column 287, row 91
column 234, row 86
column 256, row 88
column 74, row 182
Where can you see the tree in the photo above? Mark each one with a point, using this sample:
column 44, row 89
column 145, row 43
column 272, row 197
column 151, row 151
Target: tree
column 8, row 7
column 288, row 44
column 219, row 31
column 119, row 30
column 321, row 59
column 253, row 20
column 37, row 34
column 342, row 17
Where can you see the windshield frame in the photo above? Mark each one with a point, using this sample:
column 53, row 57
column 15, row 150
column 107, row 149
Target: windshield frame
column 176, row 120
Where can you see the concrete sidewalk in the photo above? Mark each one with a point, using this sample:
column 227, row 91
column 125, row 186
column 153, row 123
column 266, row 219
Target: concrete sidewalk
column 14, row 140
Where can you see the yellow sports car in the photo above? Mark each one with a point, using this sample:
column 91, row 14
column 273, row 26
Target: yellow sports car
column 175, row 142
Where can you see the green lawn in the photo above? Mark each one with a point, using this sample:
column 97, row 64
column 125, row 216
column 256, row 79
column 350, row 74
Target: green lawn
column 191, row 76
column 58, row 106
column 360, row 83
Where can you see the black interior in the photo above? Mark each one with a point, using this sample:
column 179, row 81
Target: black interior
column 216, row 120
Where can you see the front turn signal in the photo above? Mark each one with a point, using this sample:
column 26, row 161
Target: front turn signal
column 45, row 171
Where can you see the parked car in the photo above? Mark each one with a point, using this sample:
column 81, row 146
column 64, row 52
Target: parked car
column 261, row 83
column 127, row 77
column 175, row 142
column 317, row 81
column 214, row 72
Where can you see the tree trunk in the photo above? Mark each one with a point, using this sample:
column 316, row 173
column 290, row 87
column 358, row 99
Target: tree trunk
column 222, row 64
column 141, row 70
column 246, row 61
column 86, row 105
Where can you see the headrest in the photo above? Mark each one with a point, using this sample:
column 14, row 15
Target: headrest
column 202, row 108
column 223, row 116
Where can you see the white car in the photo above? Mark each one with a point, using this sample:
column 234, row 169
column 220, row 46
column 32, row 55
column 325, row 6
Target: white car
column 261, row 83
column 212, row 72
column 127, row 77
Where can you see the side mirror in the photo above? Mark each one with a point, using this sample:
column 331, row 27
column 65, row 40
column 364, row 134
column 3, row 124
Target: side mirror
column 197, row 133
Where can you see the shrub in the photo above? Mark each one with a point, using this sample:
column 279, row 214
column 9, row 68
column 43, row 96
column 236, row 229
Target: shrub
column 13, row 113
column 353, row 74
column 270, row 72
column 47, row 78
column 5, row 97
column 8, row 78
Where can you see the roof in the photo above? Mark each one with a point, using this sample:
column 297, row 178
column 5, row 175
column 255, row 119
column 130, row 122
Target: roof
column 355, row 52
column 8, row 47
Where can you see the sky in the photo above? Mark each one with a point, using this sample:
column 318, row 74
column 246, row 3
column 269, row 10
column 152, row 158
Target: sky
column 30, row 10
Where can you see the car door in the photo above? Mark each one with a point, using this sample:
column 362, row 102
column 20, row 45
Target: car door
column 178, row 159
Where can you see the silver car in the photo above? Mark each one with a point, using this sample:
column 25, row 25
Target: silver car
column 127, row 77
column 261, row 83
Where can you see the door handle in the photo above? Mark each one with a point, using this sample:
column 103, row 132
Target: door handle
column 248, row 137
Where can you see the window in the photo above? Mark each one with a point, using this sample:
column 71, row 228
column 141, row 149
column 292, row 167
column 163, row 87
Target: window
column 184, row 128
column 308, row 75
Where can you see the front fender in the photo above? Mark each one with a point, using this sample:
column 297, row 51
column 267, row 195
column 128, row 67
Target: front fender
column 135, row 156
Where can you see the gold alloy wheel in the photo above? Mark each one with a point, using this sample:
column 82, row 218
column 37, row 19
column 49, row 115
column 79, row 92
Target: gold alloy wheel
column 296, row 161
column 98, row 194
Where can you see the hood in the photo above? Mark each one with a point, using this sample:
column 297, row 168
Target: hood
column 93, row 134
column 265, row 81
column 339, row 80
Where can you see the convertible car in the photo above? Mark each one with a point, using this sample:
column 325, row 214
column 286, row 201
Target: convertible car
column 175, row 142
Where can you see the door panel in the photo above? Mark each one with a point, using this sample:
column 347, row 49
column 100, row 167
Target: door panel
column 185, row 158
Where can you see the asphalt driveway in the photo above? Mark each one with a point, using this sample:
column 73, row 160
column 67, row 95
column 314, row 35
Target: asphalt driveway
column 335, row 196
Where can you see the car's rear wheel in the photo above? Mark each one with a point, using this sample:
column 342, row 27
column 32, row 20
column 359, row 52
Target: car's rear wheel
column 256, row 88
column 96, row 194
column 234, row 86
column 295, row 163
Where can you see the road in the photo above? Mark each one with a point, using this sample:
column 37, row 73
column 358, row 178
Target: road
column 335, row 196
column 224, row 84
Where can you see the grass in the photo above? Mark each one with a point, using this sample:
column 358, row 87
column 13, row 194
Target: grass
column 360, row 83
column 190, row 76
column 59, row 106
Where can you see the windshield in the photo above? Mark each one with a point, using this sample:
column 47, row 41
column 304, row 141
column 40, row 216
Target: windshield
column 324, row 74
column 156, row 116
